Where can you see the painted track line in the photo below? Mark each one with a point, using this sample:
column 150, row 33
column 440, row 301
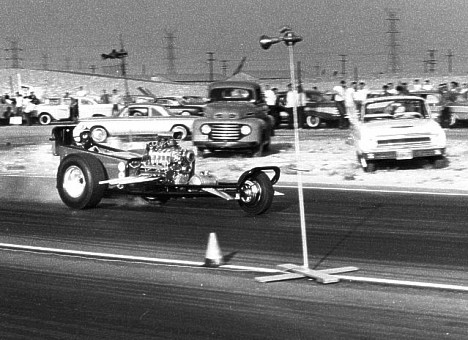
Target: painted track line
column 395, row 190
column 171, row 262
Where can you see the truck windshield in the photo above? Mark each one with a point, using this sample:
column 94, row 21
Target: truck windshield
column 231, row 94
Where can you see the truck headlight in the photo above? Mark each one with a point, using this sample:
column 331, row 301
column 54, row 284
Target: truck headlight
column 205, row 129
column 439, row 140
column 368, row 144
column 246, row 130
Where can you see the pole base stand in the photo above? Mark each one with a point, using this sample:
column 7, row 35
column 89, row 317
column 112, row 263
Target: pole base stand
column 293, row 272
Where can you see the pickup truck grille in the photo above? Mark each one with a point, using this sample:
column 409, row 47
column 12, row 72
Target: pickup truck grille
column 225, row 131
column 405, row 141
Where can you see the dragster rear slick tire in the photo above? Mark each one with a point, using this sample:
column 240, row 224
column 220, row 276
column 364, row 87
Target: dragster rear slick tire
column 256, row 193
column 78, row 178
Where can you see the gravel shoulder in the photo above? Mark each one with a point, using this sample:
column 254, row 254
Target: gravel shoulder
column 328, row 161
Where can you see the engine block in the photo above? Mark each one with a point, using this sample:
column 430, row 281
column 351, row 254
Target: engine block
column 166, row 159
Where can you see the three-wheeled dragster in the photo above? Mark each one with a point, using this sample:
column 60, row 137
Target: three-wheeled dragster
column 89, row 172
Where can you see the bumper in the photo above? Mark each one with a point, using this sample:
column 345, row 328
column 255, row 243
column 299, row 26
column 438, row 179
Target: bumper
column 403, row 154
column 226, row 145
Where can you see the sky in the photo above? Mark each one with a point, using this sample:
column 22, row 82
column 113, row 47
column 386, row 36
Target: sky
column 74, row 33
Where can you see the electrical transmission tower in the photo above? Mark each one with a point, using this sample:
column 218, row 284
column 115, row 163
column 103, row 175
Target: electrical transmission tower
column 15, row 59
column 343, row 64
column 393, row 62
column 45, row 61
column 432, row 60
column 171, row 68
column 210, row 64
column 450, row 56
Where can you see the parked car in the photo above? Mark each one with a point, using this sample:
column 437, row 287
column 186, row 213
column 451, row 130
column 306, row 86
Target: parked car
column 58, row 109
column 236, row 118
column 136, row 120
column 320, row 109
column 397, row 128
column 179, row 106
column 456, row 109
column 435, row 100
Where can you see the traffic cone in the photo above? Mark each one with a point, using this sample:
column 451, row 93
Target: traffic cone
column 214, row 256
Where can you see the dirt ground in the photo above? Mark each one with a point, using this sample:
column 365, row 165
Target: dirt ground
column 329, row 161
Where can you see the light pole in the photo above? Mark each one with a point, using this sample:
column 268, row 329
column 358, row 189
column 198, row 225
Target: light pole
column 290, row 39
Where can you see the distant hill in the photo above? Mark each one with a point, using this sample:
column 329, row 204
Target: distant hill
column 56, row 83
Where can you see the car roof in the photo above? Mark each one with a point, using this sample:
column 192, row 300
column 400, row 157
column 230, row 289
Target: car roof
column 397, row 97
column 235, row 84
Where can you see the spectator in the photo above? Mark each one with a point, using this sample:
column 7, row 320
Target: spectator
column 360, row 95
column 300, row 102
column 115, row 100
column 291, row 101
column 270, row 99
column 349, row 102
column 417, row 85
column 81, row 92
column 385, row 91
column 105, row 97
column 19, row 104
column 339, row 97
column 391, row 88
column 427, row 85
column 74, row 110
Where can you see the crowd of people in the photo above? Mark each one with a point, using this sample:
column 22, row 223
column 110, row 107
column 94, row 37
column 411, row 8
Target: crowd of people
column 349, row 96
column 23, row 105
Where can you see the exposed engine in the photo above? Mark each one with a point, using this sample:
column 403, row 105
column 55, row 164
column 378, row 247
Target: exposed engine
column 164, row 158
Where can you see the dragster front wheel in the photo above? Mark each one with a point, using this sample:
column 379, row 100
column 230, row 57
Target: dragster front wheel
column 78, row 178
column 256, row 193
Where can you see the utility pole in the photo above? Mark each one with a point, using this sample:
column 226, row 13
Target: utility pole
column 393, row 62
column 317, row 70
column 224, row 67
column 450, row 55
column 432, row 61
column 15, row 59
column 67, row 64
column 171, row 68
column 124, row 66
column 343, row 64
column 45, row 61
column 93, row 69
column 210, row 65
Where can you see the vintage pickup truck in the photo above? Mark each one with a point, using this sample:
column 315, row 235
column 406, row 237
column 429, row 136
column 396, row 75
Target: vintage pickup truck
column 236, row 118
column 57, row 108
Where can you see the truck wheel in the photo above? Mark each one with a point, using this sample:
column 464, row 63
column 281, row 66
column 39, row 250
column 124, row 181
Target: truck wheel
column 370, row 166
column 256, row 194
column 44, row 119
column 313, row 122
column 438, row 162
column 78, row 180
column 258, row 150
column 99, row 134
column 182, row 129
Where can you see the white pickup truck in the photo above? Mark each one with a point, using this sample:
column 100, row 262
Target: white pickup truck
column 57, row 108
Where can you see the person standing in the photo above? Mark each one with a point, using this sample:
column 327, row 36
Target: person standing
column 270, row 100
column 105, row 97
column 289, row 105
column 115, row 100
column 360, row 96
column 349, row 94
column 81, row 92
column 339, row 97
column 300, row 102
column 19, row 104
